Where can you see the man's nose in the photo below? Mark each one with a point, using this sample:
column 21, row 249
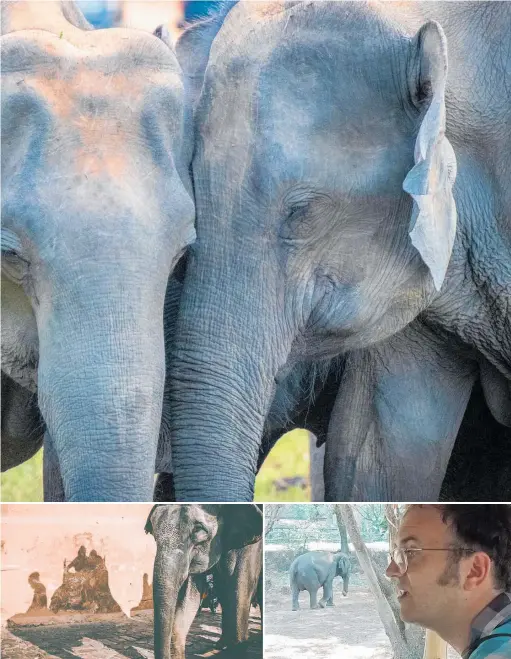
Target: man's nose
column 392, row 570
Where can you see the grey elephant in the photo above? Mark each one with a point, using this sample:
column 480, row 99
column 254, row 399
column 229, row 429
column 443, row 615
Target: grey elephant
column 351, row 194
column 97, row 209
column 193, row 540
column 318, row 569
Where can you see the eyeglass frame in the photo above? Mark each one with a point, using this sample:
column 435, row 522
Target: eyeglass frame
column 419, row 549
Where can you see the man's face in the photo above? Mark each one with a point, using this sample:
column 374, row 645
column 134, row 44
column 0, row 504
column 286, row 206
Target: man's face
column 430, row 590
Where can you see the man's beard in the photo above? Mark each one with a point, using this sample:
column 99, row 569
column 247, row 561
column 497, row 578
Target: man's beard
column 451, row 575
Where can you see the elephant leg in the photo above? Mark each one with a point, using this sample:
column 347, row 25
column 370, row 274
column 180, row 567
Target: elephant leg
column 186, row 610
column 238, row 575
column 471, row 474
column 328, row 595
column 53, row 486
column 313, row 597
column 295, row 592
column 164, row 488
column 413, row 389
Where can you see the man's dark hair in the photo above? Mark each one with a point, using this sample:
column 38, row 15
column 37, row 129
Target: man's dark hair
column 484, row 527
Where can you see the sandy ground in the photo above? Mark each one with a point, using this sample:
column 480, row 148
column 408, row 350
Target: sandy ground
column 351, row 630
column 115, row 636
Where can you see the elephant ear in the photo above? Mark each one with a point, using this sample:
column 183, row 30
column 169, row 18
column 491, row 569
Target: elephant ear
column 242, row 525
column 162, row 32
column 149, row 528
column 193, row 48
column 430, row 181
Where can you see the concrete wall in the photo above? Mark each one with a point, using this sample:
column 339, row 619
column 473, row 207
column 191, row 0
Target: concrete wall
column 38, row 537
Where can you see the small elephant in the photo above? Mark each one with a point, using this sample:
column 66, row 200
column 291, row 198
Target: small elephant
column 317, row 569
column 208, row 597
column 191, row 540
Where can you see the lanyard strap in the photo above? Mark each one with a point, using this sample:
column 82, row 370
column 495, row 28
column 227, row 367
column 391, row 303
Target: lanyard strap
column 479, row 641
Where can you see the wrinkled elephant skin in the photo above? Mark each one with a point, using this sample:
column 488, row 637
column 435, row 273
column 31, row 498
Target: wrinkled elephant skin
column 351, row 174
column 96, row 211
column 191, row 541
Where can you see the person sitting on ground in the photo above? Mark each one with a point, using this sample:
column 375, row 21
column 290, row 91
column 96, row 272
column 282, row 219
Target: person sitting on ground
column 452, row 567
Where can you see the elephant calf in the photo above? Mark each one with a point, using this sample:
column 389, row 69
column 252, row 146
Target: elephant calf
column 317, row 569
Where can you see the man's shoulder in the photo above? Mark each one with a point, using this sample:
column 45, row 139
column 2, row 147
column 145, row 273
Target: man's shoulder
column 495, row 647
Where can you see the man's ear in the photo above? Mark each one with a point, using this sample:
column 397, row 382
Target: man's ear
column 480, row 568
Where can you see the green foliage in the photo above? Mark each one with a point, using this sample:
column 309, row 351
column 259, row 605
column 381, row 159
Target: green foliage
column 24, row 483
column 300, row 524
column 289, row 457
column 374, row 525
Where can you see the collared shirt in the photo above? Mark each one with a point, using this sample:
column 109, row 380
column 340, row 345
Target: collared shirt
column 493, row 619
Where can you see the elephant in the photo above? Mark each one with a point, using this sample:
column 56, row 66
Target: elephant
column 192, row 540
column 208, row 596
column 318, row 569
column 351, row 198
column 97, row 210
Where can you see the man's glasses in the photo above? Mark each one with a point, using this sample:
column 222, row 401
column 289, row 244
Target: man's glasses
column 401, row 556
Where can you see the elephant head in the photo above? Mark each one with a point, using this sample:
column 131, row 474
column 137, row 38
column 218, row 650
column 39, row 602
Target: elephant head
column 325, row 215
column 190, row 540
column 96, row 211
column 343, row 569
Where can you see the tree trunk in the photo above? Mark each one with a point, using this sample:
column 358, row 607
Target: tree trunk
column 403, row 646
column 272, row 514
column 342, row 530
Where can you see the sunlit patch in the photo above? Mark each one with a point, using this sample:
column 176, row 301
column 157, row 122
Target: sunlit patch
column 277, row 646
column 210, row 629
column 147, row 654
column 92, row 649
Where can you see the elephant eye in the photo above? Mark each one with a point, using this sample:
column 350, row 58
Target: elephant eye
column 14, row 266
column 200, row 533
column 294, row 221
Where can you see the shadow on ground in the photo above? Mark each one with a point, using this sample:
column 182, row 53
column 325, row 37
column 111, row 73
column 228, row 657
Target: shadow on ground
column 120, row 638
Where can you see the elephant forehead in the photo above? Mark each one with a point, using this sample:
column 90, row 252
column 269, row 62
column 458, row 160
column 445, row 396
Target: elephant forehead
column 310, row 108
column 97, row 96
column 181, row 518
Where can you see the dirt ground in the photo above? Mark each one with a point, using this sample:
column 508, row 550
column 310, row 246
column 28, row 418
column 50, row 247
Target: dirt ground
column 114, row 636
column 351, row 629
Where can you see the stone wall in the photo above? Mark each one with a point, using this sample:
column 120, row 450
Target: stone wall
column 38, row 538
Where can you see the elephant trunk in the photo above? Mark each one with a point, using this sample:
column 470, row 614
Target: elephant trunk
column 170, row 573
column 345, row 583
column 223, row 384
column 100, row 384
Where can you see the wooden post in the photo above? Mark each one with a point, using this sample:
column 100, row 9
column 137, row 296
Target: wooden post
column 435, row 647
